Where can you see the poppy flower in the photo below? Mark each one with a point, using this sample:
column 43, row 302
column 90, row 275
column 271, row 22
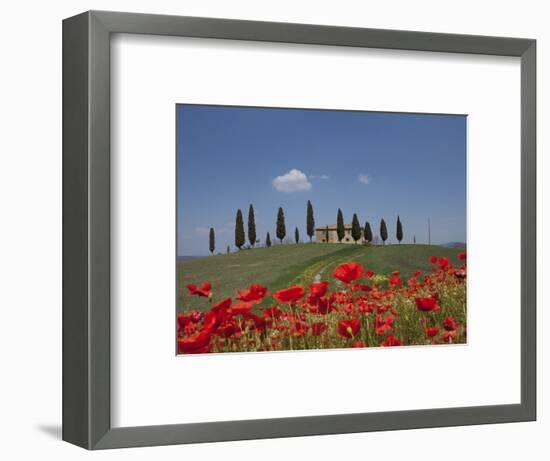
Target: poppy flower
column 348, row 272
column 318, row 328
column 318, row 289
column 204, row 289
column 394, row 281
column 324, row 306
column 449, row 323
column 243, row 307
column 462, row 256
column 390, row 341
column 195, row 344
column 290, row 294
column 433, row 259
column 253, row 321
column 449, row 336
column 416, row 273
column 272, row 312
column 460, row 274
column 369, row 274
column 254, row 294
column 358, row 344
column 432, row 331
column 443, row 263
column 222, row 305
column 227, row 329
column 189, row 318
column 299, row 328
column 396, row 273
column 426, row 304
column 348, row 328
column 383, row 329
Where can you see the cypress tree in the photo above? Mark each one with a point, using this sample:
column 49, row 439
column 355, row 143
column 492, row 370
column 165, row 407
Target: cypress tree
column 251, row 226
column 297, row 235
column 355, row 228
column 368, row 232
column 228, row 249
column 212, row 241
column 327, row 235
column 239, row 230
column 414, row 238
column 281, row 228
column 383, row 231
column 340, row 229
column 399, row 231
column 310, row 221
column 268, row 240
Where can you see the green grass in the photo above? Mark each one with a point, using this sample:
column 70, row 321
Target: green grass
column 283, row 265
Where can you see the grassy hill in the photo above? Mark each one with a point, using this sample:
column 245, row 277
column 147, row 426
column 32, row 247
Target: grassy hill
column 283, row 265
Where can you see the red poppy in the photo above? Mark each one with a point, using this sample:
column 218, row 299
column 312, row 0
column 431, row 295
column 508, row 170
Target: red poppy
column 383, row 329
column 348, row 272
column 427, row 304
column 324, row 306
column 449, row 336
column 433, row 259
column 290, row 294
column 228, row 329
column 416, row 273
column 222, row 305
column 396, row 273
column 318, row 289
column 204, row 289
column 460, row 274
column 358, row 344
column 390, row 341
column 318, row 328
column 462, row 256
column 449, row 323
column 189, row 318
column 242, row 308
column 272, row 312
column 369, row 274
column 432, row 331
column 253, row 321
column 299, row 328
column 394, row 281
column 348, row 328
column 196, row 344
column 443, row 263
column 254, row 294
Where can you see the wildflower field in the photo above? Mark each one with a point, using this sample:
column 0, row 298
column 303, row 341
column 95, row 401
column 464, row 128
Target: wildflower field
column 344, row 297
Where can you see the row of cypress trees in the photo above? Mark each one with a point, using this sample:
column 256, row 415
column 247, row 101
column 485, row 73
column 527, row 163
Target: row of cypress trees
column 280, row 232
column 240, row 237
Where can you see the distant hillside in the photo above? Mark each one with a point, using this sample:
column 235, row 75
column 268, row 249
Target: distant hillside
column 453, row 245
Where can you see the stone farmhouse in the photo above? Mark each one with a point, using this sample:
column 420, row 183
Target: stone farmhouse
column 321, row 234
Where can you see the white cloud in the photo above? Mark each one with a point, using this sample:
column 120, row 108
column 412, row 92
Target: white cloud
column 293, row 181
column 364, row 179
column 321, row 176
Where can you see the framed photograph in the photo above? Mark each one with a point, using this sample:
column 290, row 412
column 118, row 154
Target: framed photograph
column 275, row 230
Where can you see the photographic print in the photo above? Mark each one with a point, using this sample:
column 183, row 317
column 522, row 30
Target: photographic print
column 302, row 229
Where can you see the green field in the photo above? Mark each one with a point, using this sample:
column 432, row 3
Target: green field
column 283, row 265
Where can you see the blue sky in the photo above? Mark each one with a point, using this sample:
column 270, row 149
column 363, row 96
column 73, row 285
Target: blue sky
column 375, row 164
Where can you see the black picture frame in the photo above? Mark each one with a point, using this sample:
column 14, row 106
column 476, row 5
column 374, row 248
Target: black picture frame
column 86, row 229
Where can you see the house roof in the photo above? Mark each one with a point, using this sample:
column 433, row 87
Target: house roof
column 332, row 227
